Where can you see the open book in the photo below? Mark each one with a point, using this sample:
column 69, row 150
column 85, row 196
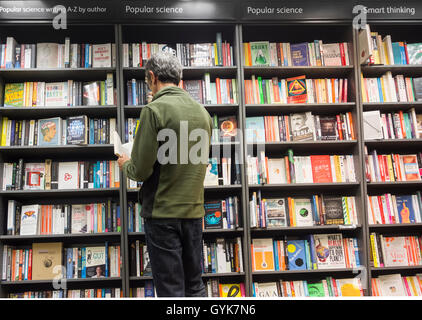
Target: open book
column 119, row 148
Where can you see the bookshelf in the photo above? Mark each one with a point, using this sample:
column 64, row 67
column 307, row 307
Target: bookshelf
column 236, row 33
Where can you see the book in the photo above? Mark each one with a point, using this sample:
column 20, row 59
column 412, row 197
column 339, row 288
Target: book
column 29, row 220
column 77, row 130
column 296, row 254
column 276, row 213
column 47, row 55
column 91, row 94
column 395, row 250
column 95, row 262
column 119, row 148
column 415, row 53
column 332, row 54
column 350, row 287
column 316, row 289
column 260, row 53
column 14, row 95
column 333, row 208
column 213, row 218
column 255, row 130
column 365, row 44
column 228, row 128
column 47, row 261
column 299, row 54
column 266, row 289
column 49, row 131
column 211, row 175
column 372, row 128
column 329, row 251
column 302, row 126
column 34, row 176
column 391, row 285
column 321, row 169
column 328, row 126
column 276, row 171
column 263, row 255
column 68, row 175
column 101, row 55
column 79, row 218
column 411, row 169
column 296, row 90
column 303, row 212
column 230, row 290
column 56, row 94
column 405, row 208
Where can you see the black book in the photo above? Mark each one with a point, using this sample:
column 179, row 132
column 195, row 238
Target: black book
column 213, row 218
column 333, row 210
column 54, row 175
column 114, row 211
column 77, row 130
column 417, row 87
column 18, row 219
column 132, row 269
column 328, row 127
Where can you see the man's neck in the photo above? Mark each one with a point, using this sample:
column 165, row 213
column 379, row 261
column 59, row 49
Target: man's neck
column 162, row 85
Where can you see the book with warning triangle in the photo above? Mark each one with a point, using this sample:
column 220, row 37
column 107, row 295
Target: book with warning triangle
column 296, row 90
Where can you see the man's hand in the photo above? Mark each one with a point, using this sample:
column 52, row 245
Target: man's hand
column 122, row 159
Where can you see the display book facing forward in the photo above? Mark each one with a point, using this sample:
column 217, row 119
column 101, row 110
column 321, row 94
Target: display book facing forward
column 217, row 288
column 60, row 94
column 302, row 212
column 40, row 262
column 46, row 55
column 43, row 219
column 315, row 252
column 53, row 175
column 397, row 285
column 300, row 169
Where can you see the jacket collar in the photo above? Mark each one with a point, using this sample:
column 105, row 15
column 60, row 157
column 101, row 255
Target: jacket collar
column 167, row 90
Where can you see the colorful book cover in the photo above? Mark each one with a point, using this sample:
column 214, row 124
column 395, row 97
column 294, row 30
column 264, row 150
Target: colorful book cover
column 34, row 176
column 333, row 210
column 228, row 128
column 395, row 252
column 302, row 126
column 415, row 53
column 391, row 285
column 266, row 289
column 211, row 175
column 56, row 94
column 349, row 287
column 255, row 130
column 79, row 218
column 77, row 130
column 299, row 54
column 328, row 127
column 49, row 131
column 276, row 213
column 329, row 251
column 29, row 219
column 405, row 208
column 13, row 95
column 296, row 90
column 263, row 255
column 411, row 168
column 230, row 290
column 149, row 289
column 213, row 218
column 321, row 169
column 303, row 212
column 91, row 94
column 260, row 53
column 296, row 254
column 95, row 262
column 315, row 289
column 332, row 54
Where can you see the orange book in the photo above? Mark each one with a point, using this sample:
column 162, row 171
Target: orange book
column 352, row 127
column 266, row 168
column 346, row 252
column 403, row 131
column 252, row 258
column 49, row 218
column 410, row 163
column 292, row 288
column 287, row 165
column 316, row 89
column 333, row 90
column 276, row 90
column 218, row 86
column 286, row 123
column 263, row 255
column 34, row 94
column 21, row 252
column 291, row 212
column 13, row 278
column 30, row 265
column 236, row 257
column 99, row 290
column 149, row 50
column 375, row 292
column 249, row 54
column 99, row 219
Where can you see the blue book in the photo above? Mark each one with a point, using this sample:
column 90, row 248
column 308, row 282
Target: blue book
column 315, row 210
column 296, row 254
column 308, row 256
column 403, row 54
column 277, row 267
column 405, row 209
column 83, row 256
column 86, row 56
column 69, row 263
column 106, row 259
column 118, row 228
column 26, row 264
column 213, row 262
column 380, row 90
column 397, row 53
column 134, row 98
column 149, row 289
column 305, row 287
column 356, row 247
column 91, row 131
column 255, row 129
column 300, row 54
column 103, row 218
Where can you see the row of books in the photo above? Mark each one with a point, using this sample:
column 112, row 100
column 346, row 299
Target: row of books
column 397, row 285
column 318, row 251
column 394, row 125
column 392, row 167
column 316, row 53
column 300, row 127
column 60, row 94
column 45, row 55
column 222, row 255
column 395, row 251
column 222, row 214
column 295, row 90
column 221, row 91
column 131, row 125
column 69, row 293
column 391, row 89
column 216, row 289
column 395, row 209
column 38, row 219
column 76, row 130
column 384, row 51
column 301, row 212
column 300, row 169
column 50, row 175
column 72, row 263
column 146, row 291
column 140, row 265
column 222, row 171
column 219, row 53
column 135, row 221
column 328, row 287
column 132, row 184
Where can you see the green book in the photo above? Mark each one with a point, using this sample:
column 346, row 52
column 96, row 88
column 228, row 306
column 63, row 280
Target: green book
column 260, row 53
column 261, row 92
column 291, row 166
column 316, row 289
column 268, row 89
column 330, row 290
column 407, row 125
column 102, row 93
column 219, row 42
column 14, row 95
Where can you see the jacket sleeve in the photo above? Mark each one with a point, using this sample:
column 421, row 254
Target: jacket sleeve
column 145, row 146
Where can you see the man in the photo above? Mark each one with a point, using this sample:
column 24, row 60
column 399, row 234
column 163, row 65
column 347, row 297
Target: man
column 172, row 194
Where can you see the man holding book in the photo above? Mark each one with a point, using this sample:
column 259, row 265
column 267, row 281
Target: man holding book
column 172, row 194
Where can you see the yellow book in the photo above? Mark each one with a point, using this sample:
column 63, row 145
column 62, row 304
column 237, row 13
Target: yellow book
column 215, row 54
column 346, row 205
column 374, row 255
column 387, row 61
column 337, row 167
column 364, row 97
column 4, row 131
column 383, row 89
column 412, row 283
column 245, row 53
column 390, row 167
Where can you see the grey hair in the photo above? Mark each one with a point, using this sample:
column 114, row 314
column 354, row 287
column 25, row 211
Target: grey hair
column 165, row 66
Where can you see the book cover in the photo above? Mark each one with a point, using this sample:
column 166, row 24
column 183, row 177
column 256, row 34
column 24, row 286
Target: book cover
column 255, row 130
column 328, row 127
column 418, row 126
column 299, row 54
column 260, row 53
column 415, row 53
column 34, row 176
column 333, row 210
column 411, row 168
column 296, row 90
column 277, row 171
column 47, row 55
column 349, row 287
column 101, row 55
column 266, row 289
column 194, row 88
column 365, row 44
column 79, row 218
column 13, row 95
column 329, row 251
column 395, row 252
column 417, row 88
column 263, row 255
column 211, row 175
column 56, row 94
column 331, row 53
column 213, row 218
column 77, row 130
column 391, row 285
column 29, row 219
column 68, row 175
column 49, row 131
column 302, row 126
column 230, row 290
column 296, row 254
column 46, row 260
column 315, row 289
column 91, row 94
column 95, row 262
column 228, row 128
column 405, row 208
column 276, row 213
column 372, row 128
column 303, row 212
column 321, row 169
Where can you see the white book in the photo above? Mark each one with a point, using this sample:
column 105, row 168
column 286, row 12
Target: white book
column 79, row 218
column 74, row 52
column 4, row 264
column 333, row 169
column 10, row 56
column 113, row 55
column 34, row 176
column 68, row 175
column 29, row 220
column 7, row 175
column 109, row 89
column 372, row 125
column 47, row 55
column 303, row 212
column 101, row 55
column 67, row 52
column 56, row 94
column 276, row 171
column 11, row 211
column 125, row 55
column 391, row 285
column 119, row 148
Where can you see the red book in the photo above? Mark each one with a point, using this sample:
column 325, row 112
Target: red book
column 381, row 167
column 321, row 169
column 30, row 265
column 287, row 165
column 381, row 209
column 296, row 90
column 140, row 55
column 217, row 84
column 345, row 90
column 407, row 53
column 343, row 57
column 21, row 252
column 339, row 127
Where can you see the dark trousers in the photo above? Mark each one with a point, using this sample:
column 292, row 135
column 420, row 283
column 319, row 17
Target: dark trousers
column 175, row 252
